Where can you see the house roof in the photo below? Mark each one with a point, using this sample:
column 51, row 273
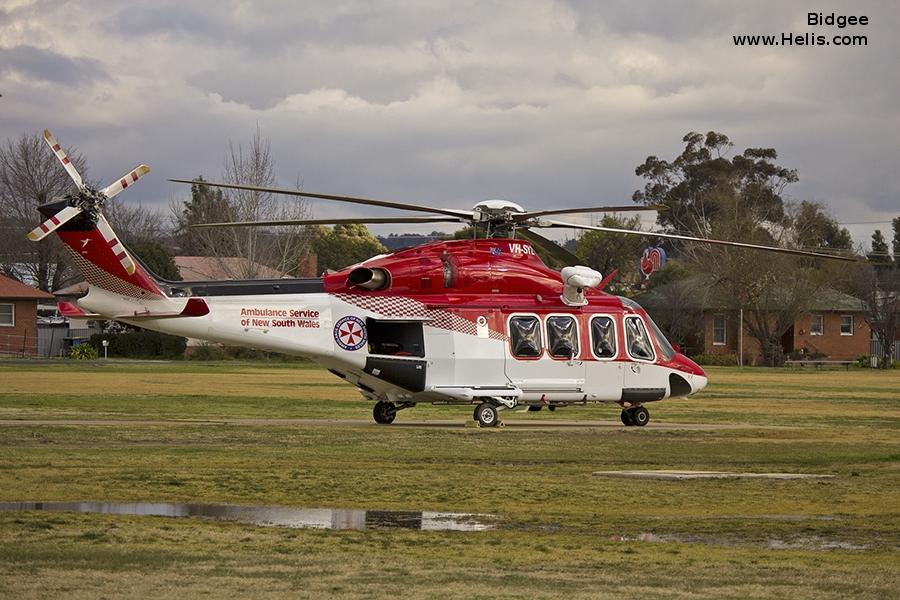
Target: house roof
column 211, row 268
column 196, row 268
column 10, row 288
column 699, row 293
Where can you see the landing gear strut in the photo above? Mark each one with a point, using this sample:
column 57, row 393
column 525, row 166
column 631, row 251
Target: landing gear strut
column 636, row 415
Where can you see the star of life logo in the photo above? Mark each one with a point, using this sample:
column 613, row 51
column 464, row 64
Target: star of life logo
column 350, row 333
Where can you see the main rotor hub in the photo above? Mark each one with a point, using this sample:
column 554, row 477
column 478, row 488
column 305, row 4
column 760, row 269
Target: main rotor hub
column 89, row 200
column 496, row 210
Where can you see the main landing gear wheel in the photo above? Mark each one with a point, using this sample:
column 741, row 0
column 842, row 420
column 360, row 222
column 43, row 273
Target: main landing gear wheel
column 384, row 412
column 486, row 415
column 626, row 418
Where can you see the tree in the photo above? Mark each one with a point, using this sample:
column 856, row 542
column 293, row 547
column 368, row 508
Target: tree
column 344, row 245
column 701, row 186
column 206, row 205
column 157, row 258
column 606, row 251
column 816, row 230
column 880, row 288
column 283, row 249
column 709, row 195
column 30, row 175
column 896, row 242
column 879, row 254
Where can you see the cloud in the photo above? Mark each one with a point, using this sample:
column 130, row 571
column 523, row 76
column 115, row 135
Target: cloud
column 541, row 102
column 43, row 65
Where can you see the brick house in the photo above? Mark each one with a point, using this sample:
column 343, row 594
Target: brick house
column 18, row 317
column 834, row 327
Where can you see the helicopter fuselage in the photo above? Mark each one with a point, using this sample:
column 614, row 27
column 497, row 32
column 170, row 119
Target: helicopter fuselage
column 454, row 322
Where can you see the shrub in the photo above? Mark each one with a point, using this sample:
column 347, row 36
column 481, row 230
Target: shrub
column 716, row 360
column 141, row 344
column 241, row 353
column 206, row 352
column 83, row 352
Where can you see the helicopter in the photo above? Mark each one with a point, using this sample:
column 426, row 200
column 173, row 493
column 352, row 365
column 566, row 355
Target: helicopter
column 480, row 322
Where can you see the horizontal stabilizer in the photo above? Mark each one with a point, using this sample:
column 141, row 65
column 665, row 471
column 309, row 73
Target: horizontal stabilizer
column 71, row 310
column 195, row 307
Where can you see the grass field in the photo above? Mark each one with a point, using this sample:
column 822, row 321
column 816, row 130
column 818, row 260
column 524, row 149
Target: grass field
column 201, row 433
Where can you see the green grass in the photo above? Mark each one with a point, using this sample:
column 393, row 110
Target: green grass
column 561, row 532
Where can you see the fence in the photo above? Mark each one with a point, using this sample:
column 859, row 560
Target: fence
column 875, row 348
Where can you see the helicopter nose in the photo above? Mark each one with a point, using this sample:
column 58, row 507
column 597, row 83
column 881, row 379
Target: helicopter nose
column 698, row 382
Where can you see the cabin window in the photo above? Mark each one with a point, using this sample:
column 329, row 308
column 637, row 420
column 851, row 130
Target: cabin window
column 395, row 338
column 7, row 315
column 637, row 340
column 665, row 348
column 562, row 337
column 718, row 330
column 817, row 325
column 846, row 324
column 525, row 336
column 603, row 337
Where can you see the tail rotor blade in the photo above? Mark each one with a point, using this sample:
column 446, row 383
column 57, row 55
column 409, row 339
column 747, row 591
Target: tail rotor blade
column 118, row 249
column 63, row 158
column 130, row 178
column 53, row 223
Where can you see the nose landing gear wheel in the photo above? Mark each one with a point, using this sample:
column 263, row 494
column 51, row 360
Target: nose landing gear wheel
column 384, row 413
column 486, row 415
column 640, row 416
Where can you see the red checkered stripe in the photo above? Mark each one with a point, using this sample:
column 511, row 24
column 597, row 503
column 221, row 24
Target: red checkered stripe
column 399, row 307
column 94, row 275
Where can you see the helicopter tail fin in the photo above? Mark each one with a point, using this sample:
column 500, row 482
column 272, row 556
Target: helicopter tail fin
column 102, row 259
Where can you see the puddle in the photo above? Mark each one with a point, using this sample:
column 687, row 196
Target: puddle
column 802, row 543
column 274, row 516
column 683, row 475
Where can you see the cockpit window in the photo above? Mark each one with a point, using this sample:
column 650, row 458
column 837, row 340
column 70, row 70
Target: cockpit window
column 525, row 336
column 637, row 340
column 562, row 337
column 665, row 347
column 603, row 337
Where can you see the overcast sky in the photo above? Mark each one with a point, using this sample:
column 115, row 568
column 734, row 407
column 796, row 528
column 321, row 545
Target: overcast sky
column 549, row 104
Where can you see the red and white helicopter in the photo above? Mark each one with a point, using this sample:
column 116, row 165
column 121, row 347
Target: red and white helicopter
column 480, row 321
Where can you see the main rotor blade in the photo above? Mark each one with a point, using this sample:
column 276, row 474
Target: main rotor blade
column 373, row 220
column 354, row 200
column 550, row 247
column 688, row 238
column 113, row 189
column 63, row 158
column 590, row 209
column 53, row 223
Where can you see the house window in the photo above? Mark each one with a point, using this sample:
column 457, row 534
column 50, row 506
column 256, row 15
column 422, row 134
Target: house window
column 603, row 335
column 719, row 330
column 817, row 325
column 846, row 324
column 562, row 337
column 637, row 340
column 525, row 336
column 7, row 315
